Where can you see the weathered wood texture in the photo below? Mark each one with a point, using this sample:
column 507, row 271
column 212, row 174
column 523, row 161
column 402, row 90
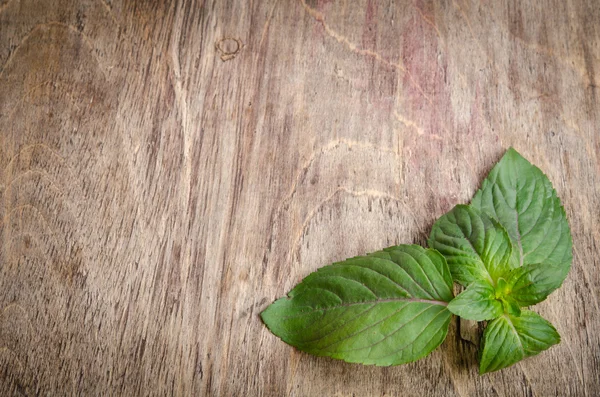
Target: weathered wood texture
column 167, row 169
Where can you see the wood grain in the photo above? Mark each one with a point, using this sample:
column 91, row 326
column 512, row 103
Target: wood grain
column 168, row 169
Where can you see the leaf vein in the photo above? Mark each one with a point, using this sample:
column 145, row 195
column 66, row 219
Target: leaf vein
column 417, row 337
column 387, row 336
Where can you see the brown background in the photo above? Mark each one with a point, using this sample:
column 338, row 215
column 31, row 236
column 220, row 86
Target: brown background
column 167, row 169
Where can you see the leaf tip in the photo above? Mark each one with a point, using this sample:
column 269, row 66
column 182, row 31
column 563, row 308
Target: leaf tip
column 264, row 316
column 512, row 152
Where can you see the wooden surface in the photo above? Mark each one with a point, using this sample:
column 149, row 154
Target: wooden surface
column 168, row 169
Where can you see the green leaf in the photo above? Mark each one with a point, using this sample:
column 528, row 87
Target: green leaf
column 501, row 346
column 475, row 246
column 385, row 308
column 531, row 284
column 502, row 288
column 509, row 339
column 521, row 198
column 535, row 333
column 510, row 306
column 478, row 302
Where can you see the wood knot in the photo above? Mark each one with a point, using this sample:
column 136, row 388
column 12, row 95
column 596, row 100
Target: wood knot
column 229, row 48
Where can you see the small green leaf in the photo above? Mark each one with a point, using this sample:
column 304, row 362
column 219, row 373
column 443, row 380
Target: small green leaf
column 501, row 346
column 521, row 198
column 478, row 302
column 531, row 284
column 475, row 246
column 501, row 288
column 535, row 332
column 510, row 306
column 386, row 308
column 509, row 339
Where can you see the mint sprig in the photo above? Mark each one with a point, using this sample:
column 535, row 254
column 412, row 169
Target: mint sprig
column 510, row 248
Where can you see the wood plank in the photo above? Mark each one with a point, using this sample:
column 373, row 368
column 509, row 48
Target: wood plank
column 168, row 169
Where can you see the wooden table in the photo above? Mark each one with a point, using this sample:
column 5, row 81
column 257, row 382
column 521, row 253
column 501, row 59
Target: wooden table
column 168, row 169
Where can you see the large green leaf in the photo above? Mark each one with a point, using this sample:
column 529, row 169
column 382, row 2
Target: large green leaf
column 509, row 339
column 521, row 198
column 478, row 302
column 475, row 246
column 531, row 284
column 385, row 308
